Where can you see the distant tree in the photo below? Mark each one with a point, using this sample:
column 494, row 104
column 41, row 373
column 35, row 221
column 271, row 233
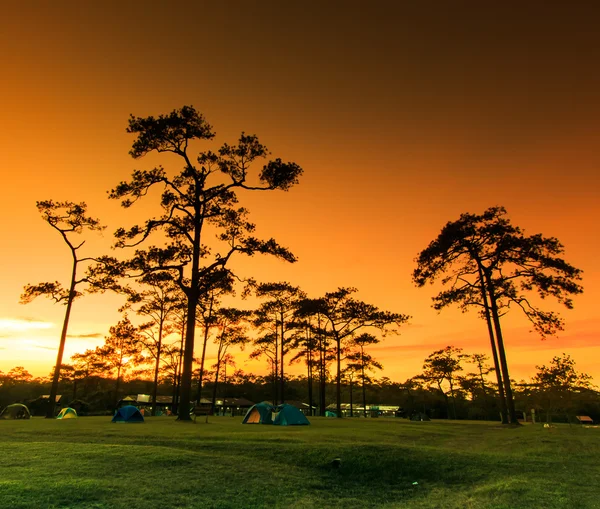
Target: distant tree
column 475, row 383
column 557, row 383
column 306, row 344
column 349, row 375
column 322, row 353
column 362, row 362
column 18, row 375
column 442, row 366
column 68, row 373
column 265, row 346
column 223, row 284
column 121, row 350
column 190, row 203
column 487, row 262
column 67, row 218
column 87, row 366
column 157, row 300
column 345, row 316
column 232, row 332
column 277, row 316
column 180, row 324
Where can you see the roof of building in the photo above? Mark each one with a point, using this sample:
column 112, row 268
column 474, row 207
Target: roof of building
column 237, row 402
column 299, row 404
column 47, row 396
column 144, row 398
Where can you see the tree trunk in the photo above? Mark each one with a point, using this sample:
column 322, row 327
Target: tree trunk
column 61, row 347
column 157, row 366
column 178, row 371
column 351, row 402
column 364, row 391
column 453, row 400
column 188, row 352
column 338, row 382
column 206, row 332
column 310, row 381
column 188, row 359
column 214, row 396
column 445, row 399
column 282, row 380
column 276, row 368
column 117, row 384
column 322, row 378
column 502, row 354
column 488, row 319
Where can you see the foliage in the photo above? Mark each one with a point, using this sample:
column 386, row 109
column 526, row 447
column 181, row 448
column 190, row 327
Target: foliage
column 69, row 218
column 486, row 262
column 346, row 315
column 200, row 196
column 276, row 318
column 557, row 384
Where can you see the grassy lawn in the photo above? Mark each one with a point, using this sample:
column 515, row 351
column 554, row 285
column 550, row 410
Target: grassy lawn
column 90, row 462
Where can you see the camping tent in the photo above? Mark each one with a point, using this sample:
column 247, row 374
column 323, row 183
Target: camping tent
column 329, row 413
column 259, row 414
column 289, row 415
column 67, row 413
column 16, row 411
column 128, row 413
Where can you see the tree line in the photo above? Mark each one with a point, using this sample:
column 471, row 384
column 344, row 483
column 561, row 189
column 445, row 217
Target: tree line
column 179, row 271
column 451, row 384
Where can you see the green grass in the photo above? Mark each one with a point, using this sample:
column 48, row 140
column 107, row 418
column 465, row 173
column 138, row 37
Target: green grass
column 90, row 462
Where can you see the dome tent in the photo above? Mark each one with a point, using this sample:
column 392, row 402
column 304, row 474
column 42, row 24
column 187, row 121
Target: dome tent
column 289, row 415
column 16, row 411
column 259, row 414
column 128, row 413
column 67, row 413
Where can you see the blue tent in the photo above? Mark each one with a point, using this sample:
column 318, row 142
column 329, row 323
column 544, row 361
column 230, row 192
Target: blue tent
column 259, row 414
column 128, row 413
column 289, row 415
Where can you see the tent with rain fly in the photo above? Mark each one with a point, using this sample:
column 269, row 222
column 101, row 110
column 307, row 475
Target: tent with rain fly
column 128, row 413
column 67, row 413
column 16, row 411
column 259, row 414
column 289, row 415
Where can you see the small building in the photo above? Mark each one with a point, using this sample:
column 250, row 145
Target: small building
column 39, row 406
column 164, row 404
column 358, row 410
column 584, row 419
column 305, row 408
column 232, row 406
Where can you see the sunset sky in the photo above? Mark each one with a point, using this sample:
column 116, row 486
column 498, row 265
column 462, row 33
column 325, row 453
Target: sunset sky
column 402, row 114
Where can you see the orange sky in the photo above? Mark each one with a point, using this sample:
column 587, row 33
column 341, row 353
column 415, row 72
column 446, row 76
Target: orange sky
column 402, row 118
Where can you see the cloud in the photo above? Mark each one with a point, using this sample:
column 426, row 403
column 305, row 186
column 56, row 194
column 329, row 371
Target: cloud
column 85, row 336
column 23, row 324
column 38, row 345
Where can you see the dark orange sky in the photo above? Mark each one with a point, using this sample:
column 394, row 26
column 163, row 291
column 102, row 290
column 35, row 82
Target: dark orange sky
column 401, row 116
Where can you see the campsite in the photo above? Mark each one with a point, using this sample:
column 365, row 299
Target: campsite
column 386, row 462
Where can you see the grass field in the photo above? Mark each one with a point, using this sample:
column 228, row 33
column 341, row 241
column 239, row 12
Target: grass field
column 90, row 462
